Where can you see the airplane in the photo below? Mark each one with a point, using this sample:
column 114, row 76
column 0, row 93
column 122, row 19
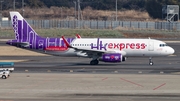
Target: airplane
column 112, row 50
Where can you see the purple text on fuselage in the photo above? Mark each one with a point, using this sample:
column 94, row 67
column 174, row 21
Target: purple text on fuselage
column 99, row 45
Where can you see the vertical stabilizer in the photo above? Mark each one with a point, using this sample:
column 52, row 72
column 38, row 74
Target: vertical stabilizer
column 22, row 30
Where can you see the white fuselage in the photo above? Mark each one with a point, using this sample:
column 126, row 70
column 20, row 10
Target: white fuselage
column 127, row 47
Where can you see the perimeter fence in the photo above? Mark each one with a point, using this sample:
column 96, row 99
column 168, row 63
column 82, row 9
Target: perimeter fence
column 84, row 24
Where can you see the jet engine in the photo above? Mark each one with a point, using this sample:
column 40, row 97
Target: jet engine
column 112, row 57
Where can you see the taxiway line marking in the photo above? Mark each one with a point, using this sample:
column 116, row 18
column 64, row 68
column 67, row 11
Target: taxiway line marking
column 159, row 86
column 131, row 82
column 104, row 78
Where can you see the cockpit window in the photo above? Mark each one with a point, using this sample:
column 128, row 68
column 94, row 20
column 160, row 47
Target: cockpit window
column 163, row 45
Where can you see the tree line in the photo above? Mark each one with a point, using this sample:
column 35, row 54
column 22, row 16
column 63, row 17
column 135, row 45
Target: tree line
column 153, row 7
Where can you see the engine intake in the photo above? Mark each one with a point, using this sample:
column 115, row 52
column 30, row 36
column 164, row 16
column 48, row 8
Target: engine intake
column 111, row 57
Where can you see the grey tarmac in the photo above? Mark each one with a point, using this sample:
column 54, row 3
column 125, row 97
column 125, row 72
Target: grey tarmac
column 52, row 78
column 96, row 87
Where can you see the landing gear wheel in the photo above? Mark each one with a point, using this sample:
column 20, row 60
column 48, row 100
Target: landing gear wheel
column 3, row 77
column 150, row 61
column 94, row 62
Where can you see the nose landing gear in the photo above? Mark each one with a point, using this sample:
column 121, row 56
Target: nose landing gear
column 150, row 61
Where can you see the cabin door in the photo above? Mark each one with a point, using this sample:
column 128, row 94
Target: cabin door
column 151, row 46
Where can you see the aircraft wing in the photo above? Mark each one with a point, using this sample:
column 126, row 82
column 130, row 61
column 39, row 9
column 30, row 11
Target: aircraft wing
column 78, row 36
column 99, row 52
column 89, row 51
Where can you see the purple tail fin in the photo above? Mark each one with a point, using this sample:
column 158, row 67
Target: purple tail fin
column 25, row 36
column 23, row 31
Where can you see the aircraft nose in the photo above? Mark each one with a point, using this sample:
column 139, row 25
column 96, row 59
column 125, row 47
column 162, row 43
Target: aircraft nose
column 171, row 50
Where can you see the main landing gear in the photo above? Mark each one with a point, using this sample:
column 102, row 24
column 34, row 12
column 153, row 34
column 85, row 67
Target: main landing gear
column 150, row 61
column 94, row 62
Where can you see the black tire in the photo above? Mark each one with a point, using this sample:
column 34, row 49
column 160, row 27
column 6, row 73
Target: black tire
column 94, row 62
column 3, row 77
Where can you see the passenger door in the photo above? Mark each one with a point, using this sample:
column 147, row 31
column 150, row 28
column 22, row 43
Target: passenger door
column 151, row 46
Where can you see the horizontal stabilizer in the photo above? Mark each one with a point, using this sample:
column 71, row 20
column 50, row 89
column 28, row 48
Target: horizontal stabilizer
column 19, row 44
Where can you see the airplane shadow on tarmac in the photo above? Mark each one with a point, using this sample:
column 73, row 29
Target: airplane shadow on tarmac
column 103, row 64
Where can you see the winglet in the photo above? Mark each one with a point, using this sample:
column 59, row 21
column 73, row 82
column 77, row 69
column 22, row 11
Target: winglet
column 66, row 42
column 78, row 36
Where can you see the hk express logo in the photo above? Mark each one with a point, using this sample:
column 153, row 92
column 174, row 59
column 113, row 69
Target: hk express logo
column 120, row 46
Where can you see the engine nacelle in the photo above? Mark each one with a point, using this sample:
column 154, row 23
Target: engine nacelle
column 111, row 57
